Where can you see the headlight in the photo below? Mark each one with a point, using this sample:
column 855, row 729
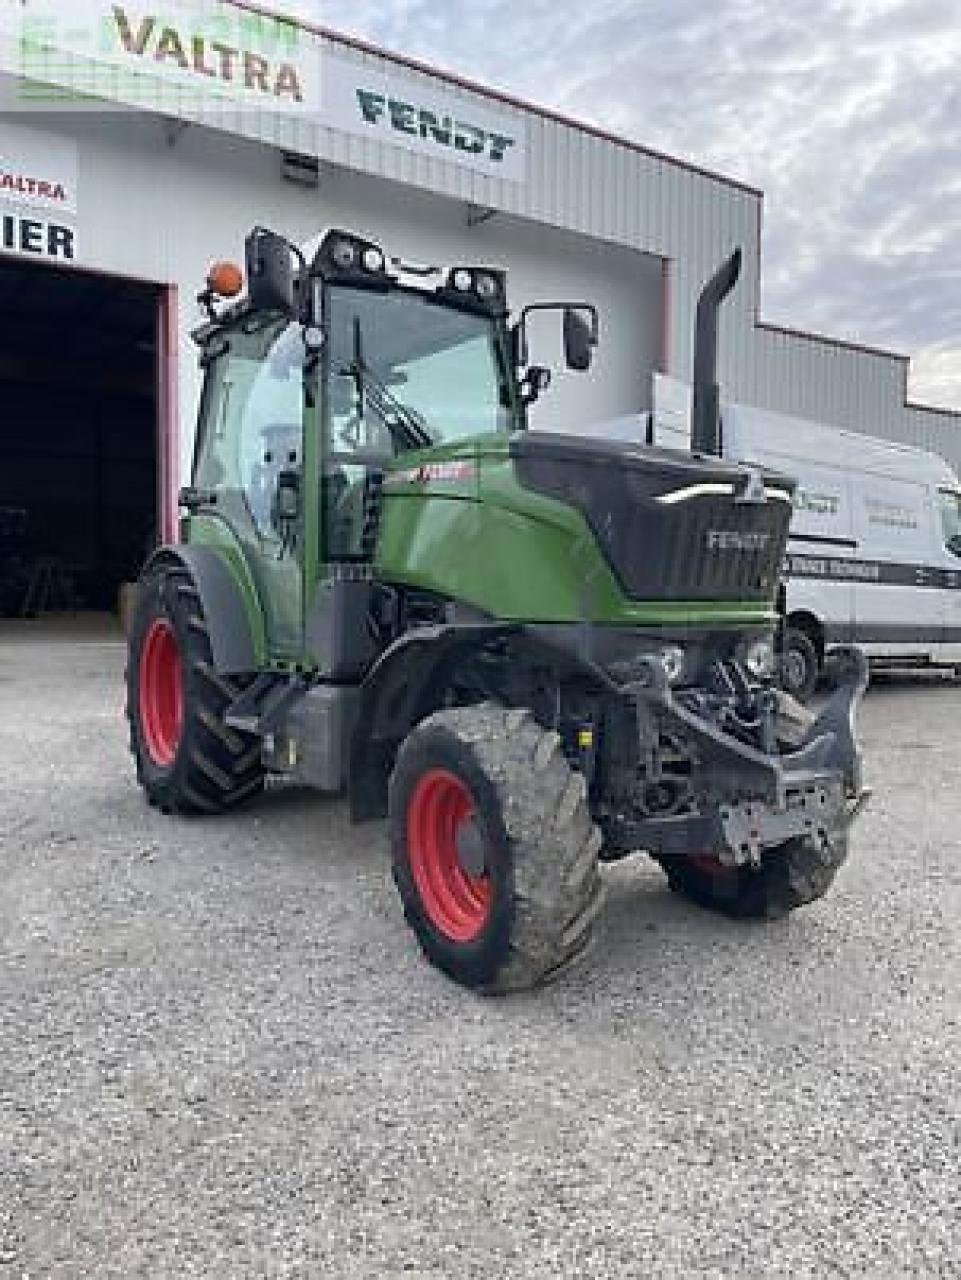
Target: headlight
column 344, row 254
column 373, row 260
column 759, row 659
column 462, row 280
column 672, row 660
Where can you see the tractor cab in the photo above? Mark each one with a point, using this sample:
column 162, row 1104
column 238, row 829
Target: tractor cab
column 320, row 379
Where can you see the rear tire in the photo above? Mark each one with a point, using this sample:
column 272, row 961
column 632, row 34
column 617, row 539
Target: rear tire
column 790, row 876
column 800, row 665
column 188, row 760
column 494, row 852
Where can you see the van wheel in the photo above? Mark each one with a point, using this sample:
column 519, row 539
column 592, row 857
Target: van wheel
column 800, row 667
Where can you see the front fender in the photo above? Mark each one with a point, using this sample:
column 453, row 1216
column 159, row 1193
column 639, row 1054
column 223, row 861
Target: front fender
column 406, row 683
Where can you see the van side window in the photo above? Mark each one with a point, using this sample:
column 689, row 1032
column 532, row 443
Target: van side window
column 949, row 503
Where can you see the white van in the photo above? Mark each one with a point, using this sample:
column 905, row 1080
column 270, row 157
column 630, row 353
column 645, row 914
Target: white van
column 874, row 554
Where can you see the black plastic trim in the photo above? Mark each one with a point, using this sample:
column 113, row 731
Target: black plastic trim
column 231, row 640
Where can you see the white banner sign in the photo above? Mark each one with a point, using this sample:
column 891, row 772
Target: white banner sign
column 37, row 169
column 427, row 118
column 31, row 236
column 38, row 194
column 211, row 53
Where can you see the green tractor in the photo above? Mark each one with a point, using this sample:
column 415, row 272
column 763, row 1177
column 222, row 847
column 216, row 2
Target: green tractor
column 531, row 652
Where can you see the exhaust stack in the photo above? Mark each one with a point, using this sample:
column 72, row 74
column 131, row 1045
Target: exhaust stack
column 705, row 415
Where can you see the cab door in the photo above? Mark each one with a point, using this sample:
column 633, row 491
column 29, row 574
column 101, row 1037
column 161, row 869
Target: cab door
column 250, row 459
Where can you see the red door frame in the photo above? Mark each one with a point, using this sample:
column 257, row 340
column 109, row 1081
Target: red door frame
column 168, row 414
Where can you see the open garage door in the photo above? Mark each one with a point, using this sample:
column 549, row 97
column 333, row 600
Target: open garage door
column 79, row 431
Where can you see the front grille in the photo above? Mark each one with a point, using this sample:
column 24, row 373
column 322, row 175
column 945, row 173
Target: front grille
column 706, row 546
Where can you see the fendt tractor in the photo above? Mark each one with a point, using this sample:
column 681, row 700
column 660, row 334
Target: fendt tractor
column 531, row 652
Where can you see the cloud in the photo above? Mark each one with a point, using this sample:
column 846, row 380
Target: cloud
column 846, row 113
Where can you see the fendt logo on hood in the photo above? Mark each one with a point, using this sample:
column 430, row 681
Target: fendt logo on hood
column 381, row 110
column 734, row 540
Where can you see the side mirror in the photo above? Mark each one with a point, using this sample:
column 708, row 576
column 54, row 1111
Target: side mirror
column 954, row 544
column 271, row 283
column 580, row 339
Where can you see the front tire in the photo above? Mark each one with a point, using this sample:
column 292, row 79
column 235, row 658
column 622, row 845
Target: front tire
column 188, row 760
column 790, row 876
column 494, row 852
column 800, row 665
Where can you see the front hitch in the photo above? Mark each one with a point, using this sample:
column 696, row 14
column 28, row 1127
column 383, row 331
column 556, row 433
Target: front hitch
column 750, row 800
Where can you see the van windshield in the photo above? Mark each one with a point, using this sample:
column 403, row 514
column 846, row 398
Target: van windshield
column 949, row 502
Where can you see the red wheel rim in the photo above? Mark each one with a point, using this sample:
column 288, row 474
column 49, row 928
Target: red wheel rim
column 457, row 903
column 711, row 865
column 161, row 693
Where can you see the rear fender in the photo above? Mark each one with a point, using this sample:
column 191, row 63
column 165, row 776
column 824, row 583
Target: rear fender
column 236, row 639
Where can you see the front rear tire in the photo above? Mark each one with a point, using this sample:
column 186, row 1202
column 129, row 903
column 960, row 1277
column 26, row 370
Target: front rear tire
column 790, row 876
column 188, row 760
column 494, row 851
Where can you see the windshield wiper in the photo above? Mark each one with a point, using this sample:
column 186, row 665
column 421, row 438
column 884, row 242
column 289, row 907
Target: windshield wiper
column 404, row 424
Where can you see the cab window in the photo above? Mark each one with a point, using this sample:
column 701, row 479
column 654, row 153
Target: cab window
column 253, row 420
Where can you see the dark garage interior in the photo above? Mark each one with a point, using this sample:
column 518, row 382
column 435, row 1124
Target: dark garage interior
column 78, row 438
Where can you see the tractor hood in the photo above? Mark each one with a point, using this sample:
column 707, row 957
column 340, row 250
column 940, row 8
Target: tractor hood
column 672, row 526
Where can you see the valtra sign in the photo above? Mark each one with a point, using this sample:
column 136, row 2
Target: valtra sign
column 38, row 169
column 175, row 53
column 30, row 189
column 150, row 39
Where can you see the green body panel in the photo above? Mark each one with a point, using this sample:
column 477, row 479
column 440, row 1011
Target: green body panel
column 483, row 539
column 210, row 531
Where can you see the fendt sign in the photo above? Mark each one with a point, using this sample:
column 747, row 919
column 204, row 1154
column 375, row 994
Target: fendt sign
column 426, row 118
column 425, row 122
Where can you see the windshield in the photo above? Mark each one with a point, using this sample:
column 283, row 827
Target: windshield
column 950, row 503
column 406, row 372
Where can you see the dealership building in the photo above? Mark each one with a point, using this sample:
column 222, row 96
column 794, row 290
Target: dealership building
column 139, row 143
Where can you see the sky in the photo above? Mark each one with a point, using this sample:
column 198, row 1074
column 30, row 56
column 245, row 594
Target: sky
column 846, row 113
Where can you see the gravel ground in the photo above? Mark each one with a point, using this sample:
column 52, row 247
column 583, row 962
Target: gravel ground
column 220, row 1052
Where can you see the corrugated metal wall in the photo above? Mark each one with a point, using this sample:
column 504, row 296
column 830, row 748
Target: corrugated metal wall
column 583, row 182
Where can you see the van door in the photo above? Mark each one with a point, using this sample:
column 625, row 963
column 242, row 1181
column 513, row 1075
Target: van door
column 897, row 603
column 949, row 511
column 820, row 545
